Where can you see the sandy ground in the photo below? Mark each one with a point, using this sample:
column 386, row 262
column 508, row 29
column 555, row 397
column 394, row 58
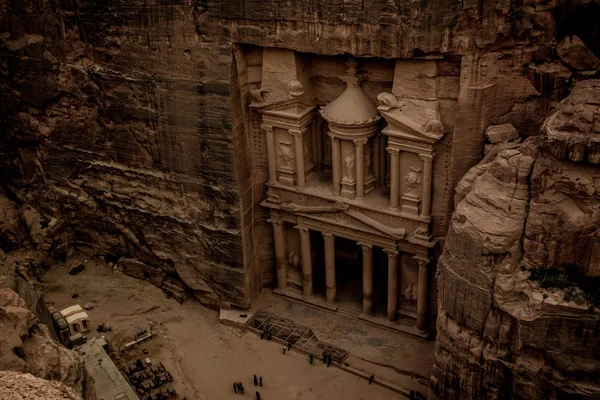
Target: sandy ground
column 204, row 357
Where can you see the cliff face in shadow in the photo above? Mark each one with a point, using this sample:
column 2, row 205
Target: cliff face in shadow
column 123, row 123
column 527, row 210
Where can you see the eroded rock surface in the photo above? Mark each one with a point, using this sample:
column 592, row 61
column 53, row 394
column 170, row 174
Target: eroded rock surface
column 18, row 386
column 26, row 346
column 500, row 335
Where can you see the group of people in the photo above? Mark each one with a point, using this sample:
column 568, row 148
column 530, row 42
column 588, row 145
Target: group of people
column 239, row 388
column 416, row 395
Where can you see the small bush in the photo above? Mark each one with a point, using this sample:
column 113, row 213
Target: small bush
column 568, row 280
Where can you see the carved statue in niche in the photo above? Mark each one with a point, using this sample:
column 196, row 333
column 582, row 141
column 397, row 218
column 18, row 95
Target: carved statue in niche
column 294, row 259
column 286, row 153
column 348, row 167
column 413, row 179
column 410, row 293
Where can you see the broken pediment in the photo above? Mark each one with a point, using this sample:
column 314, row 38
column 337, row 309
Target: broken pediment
column 411, row 119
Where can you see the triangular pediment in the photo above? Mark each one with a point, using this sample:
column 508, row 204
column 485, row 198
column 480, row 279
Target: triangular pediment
column 410, row 120
column 355, row 220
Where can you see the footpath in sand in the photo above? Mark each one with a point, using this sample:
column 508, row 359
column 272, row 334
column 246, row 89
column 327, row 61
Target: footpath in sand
column 204, row 357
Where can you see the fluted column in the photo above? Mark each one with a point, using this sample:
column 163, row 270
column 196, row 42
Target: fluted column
column 395, row 178
column 336, row 164
column 392, row 302
column 299, row 156
column 360, row 167
column 329, row 240
column 280, row 259
column 427, row 180
column 272, row 158
column 307, row 278
column 367, row 252
column 422, row 295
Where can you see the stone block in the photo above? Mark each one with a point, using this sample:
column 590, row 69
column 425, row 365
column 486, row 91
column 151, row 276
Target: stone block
column 501, row 133
column 576, row 54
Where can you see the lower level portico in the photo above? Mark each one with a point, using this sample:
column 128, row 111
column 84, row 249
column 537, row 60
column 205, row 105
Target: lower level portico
column 330, row 259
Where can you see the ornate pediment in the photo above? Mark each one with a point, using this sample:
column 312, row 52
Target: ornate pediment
column 326, row 208
column 411, row 119
column 357, row 221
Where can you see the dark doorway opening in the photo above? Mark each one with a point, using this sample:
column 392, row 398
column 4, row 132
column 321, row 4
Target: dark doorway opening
column 348, row 274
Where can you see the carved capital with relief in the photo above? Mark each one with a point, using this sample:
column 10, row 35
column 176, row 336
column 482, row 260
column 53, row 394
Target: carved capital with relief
column 267, row 128
column 421, row 260
column 391, row 253
column 427, row 157
column 328, row 237
column 302, row 230
column 360, row 142
column 275, row 221
column 392, row 150
column 366, row 247
column 297, row 132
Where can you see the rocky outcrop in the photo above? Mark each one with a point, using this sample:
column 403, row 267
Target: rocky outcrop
column 18, row 386
column 26, row 346
column 524, row 207
column 575, row 53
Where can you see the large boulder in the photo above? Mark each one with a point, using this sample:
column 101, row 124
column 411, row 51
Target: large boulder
column 576, row 54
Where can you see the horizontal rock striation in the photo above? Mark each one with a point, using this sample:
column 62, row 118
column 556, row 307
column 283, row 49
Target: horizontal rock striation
column 501, row 335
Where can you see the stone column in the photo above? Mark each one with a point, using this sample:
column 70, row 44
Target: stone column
column 427, row 180
column 299, row 156
column 395, row 178
column 272, row 158
column 367, row 251
column 392, row 303
column 360, row 167
column 329, row 240
column 422, row 295
column 280, row 259
column 336, row 164
column 382, row 159
column 307, row 278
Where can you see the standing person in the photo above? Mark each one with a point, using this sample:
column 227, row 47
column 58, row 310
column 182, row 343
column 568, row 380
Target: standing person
column 310, row 358
column 371, row 377
column 257, row 395
column 255, row 380
column 284, row 349
column 328, row 361
column 241, row 388
column 260, row 382
column 234, row 387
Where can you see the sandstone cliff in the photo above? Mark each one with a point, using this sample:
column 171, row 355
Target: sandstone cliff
column 124, row 123
column 525, row 208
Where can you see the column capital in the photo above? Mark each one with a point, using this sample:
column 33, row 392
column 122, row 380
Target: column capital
column 275, row 221
column 393, row 150
column 391, row 252
column 328, row 236
column 332, row 135
column 427, row 156
column 297, row 132
column 302, row 229
column 266, row 128
column 365, row 246
column 360, row 142
column 423, row 261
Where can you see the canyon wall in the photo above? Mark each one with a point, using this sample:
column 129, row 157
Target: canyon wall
column 125, row 124
column 525, row 207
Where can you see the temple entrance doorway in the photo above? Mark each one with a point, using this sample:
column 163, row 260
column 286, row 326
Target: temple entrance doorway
column 380, row 281
column 348, row 274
